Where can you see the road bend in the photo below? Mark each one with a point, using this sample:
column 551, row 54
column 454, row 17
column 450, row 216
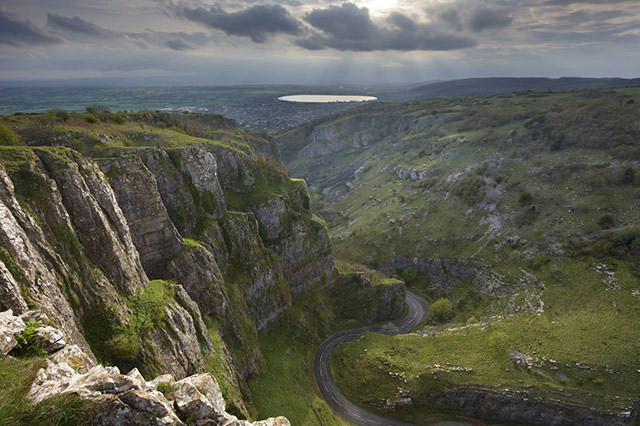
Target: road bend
column 416, row 312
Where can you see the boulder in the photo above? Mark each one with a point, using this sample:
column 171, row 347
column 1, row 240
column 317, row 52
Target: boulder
column 51, row 339
column 128, row 399
column 10, row 327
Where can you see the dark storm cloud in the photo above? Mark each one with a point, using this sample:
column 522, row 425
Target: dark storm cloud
column 471, row 17
column 484, row 18
column 257, row 22
column 173, row 40
column 20, row 33
column 78, row 25
column 349, row 27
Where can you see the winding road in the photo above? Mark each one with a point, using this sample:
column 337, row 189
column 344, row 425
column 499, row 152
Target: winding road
column 322, row 374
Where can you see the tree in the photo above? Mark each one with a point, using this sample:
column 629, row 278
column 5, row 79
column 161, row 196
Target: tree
column 8, row 137
column 440, row 310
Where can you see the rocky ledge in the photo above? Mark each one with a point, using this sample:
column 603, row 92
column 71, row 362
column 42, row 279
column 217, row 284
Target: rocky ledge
column 121, row 399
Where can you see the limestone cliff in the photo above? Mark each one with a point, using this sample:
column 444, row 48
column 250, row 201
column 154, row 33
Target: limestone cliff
column 140, row 256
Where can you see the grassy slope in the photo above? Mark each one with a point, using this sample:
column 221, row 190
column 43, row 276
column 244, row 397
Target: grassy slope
column 287, row 387
column 570, row 152
column 107, row 137
column 592, row 326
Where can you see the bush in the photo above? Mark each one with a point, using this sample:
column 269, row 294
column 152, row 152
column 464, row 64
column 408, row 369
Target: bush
column 408, row 275
column 8, row 136
column 440, row 310
column 629, row 176
column 90, row 118
column 118, row 118
column 59, row 115
column 607, row 221
column 166, row 389
column 97, row 109
column 525, row 199
column 27, row 346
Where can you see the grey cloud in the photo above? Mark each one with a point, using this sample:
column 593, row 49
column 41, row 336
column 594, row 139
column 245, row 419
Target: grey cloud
column 257, row 22
column 451, row 17
column 581, row 16
column 176, row 41
column 471, row 17
column 598, row 2
column 173, row 40
column 178, row 44
column 78, row 25
column 349, row 27
column 20, row 33
column 484, row 18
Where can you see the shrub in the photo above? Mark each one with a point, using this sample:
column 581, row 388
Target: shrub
column 27, row 346
column 90, row 118
column 8, row 136
column 59, row 115
column 629, row 176
column 408, row 275
column 607, row 221
column 472, row 320
column 166, row 389
column 97, row 109
column 525, row 199
column 440, row 310
column 118, row 118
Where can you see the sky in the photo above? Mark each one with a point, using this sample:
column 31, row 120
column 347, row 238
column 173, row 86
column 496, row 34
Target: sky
column 223, row 42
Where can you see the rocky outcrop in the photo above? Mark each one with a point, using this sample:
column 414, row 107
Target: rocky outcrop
column 306, row 255
column 202, row 168
column 408, row 173
column 524, row 408
column 119, row 399
column 443, row 271
column 10, row 327
column 10, row 296
column 354, row 295
column 101, row 227
column 182, row 345
column 153, row 233
column 80, row 240
column 352, row 132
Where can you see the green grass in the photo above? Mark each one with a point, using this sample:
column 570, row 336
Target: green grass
column 16, row 376
column 286, row 387
column 583, row 322
column 217, row 365
column 121, row 345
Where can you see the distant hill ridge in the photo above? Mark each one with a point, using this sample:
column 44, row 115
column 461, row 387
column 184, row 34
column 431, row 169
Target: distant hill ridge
column 493, row 85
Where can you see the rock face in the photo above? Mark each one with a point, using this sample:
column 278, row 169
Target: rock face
column 484, row 403
column 350, row 133
column 136, row 189
column 443, row 271
column 10, row 327
column 128, row 399
column 355, row 296
column 226, row 232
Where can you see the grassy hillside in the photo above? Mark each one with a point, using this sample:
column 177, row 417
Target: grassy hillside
column 520, row 211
